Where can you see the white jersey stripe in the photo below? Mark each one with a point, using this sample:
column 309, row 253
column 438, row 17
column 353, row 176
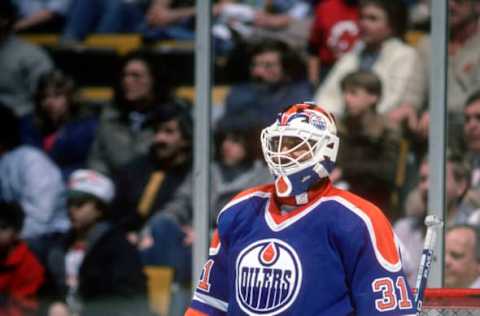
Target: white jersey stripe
column 214, row 302
column 261, row 194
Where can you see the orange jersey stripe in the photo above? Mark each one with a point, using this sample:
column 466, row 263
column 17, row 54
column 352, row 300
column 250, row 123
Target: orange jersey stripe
column 194, row 312
column 214, row 244
column 215, row 239
column 382, row 230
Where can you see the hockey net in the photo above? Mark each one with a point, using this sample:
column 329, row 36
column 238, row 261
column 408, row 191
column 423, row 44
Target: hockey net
column 451, row 302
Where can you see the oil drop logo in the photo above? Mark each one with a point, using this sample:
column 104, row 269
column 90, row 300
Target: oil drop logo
column 268, row 277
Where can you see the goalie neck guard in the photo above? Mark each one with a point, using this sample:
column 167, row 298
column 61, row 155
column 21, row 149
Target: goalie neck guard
column 300, row 149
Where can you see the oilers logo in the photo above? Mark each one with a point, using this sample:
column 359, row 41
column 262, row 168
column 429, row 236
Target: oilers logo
column 268, row 277
column 308, row 117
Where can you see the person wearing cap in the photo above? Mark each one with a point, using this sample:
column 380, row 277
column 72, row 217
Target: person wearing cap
column 95, row 270
column 21, row 274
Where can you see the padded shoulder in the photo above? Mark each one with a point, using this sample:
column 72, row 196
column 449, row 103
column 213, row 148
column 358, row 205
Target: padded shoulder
column 379, row 228
column 242, row 206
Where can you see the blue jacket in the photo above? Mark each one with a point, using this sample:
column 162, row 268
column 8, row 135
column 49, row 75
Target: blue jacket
column 253, row 103
column 71, row 146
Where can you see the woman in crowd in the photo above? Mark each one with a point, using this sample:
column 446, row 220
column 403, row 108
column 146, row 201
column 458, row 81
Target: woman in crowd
column 122, row 134
column 59, row 125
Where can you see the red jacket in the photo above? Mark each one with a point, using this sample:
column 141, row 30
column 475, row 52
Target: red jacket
column 333, row 31
column 21, row 276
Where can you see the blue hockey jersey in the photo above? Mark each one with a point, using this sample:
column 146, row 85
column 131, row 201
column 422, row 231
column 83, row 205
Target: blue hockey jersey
column 335, row 256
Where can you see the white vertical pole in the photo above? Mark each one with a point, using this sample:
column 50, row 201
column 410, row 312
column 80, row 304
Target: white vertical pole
column 201, row 145
column 437, row 131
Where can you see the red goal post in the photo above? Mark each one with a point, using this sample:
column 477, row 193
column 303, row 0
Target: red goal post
column 450, row 302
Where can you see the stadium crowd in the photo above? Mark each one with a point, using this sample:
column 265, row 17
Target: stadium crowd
column 92, row 194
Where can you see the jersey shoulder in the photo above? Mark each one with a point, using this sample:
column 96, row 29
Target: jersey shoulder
column 244, row 205
column 350, row 202
column 355, row 209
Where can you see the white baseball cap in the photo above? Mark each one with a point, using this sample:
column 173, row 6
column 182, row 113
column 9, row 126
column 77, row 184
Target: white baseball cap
column 91, row 182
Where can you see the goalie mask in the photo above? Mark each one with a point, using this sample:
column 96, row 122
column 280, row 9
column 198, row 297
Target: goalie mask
column 300, row 148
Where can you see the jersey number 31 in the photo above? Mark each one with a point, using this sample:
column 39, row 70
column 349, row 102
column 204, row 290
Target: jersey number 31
column 389, row 300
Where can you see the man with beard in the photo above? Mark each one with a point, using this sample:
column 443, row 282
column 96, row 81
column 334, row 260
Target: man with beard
column 276, row 80
column 146, row 184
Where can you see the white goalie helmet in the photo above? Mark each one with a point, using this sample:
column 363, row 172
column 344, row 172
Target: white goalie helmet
column 300, row 147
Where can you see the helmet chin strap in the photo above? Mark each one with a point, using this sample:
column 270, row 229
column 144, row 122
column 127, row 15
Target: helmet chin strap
column 297, row 184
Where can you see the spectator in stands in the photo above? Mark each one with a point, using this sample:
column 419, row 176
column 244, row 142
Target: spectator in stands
column 256, row 21
column 369, row 155
column 59, row 125
column 148, row 182
column 334, row 32
column 36, row 16
column 381, row 49
column 29, row 177
column 471, row 130
column 276, row 79
column 154, row 19
column 95, row 270
column 21, row 274
column 463, row 65
column 460, row 204
column 122, row 134
column 167, row 239
column 169, row 19
column 462, row 257
column 21, row 64
column 236, row 165
column 100, row 16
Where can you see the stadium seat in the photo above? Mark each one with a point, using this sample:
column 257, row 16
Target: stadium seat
column 173, row 45
column 121, row 43
column 95, row 94
column 219, row 93
column 46, row 40
column 159, row 282
column 105, row 94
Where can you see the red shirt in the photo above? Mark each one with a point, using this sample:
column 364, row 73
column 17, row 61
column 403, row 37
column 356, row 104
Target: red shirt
column 21, row 276
column 334, row 30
